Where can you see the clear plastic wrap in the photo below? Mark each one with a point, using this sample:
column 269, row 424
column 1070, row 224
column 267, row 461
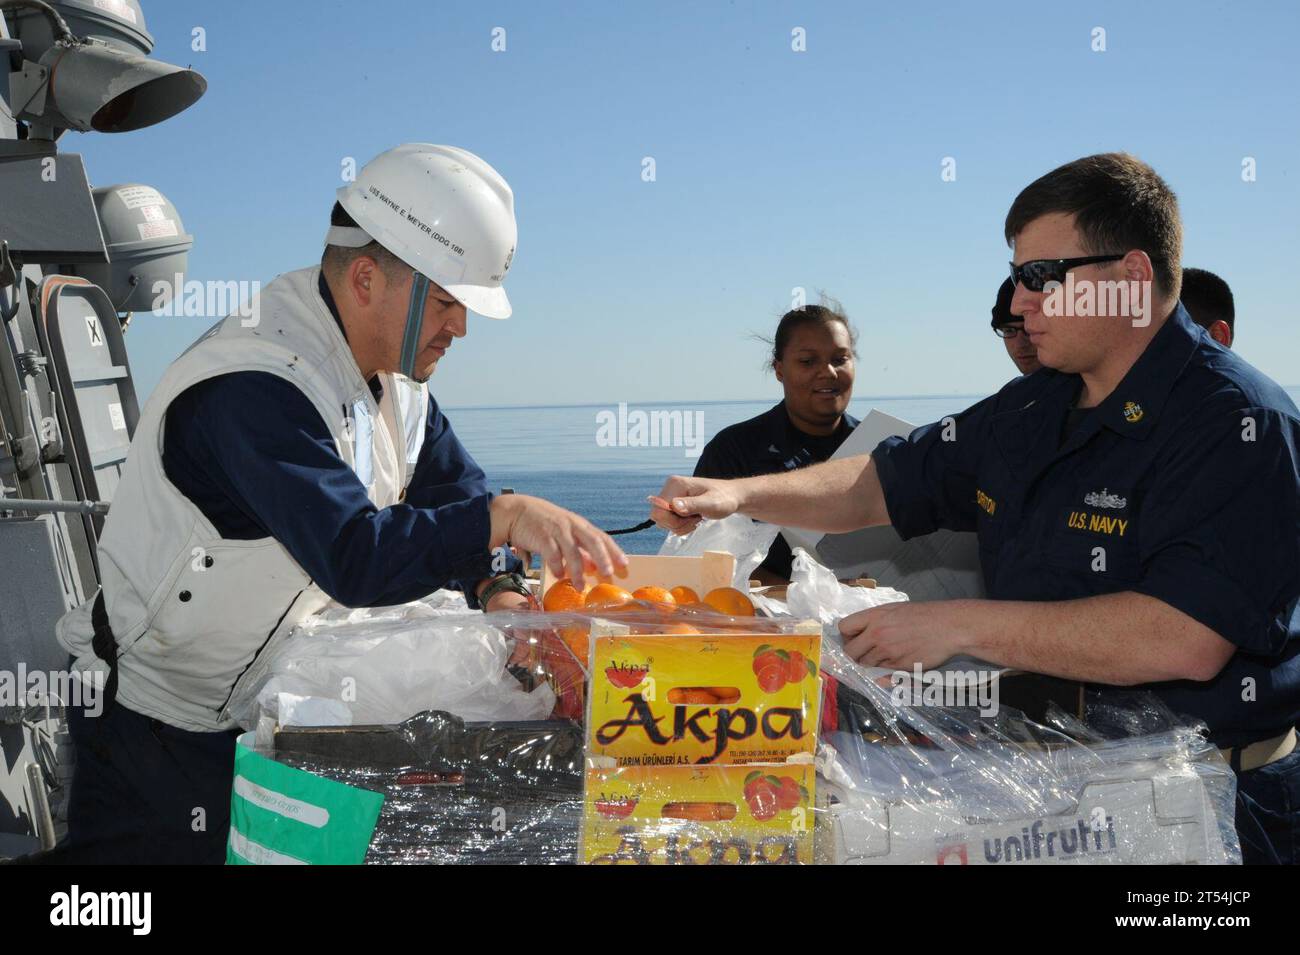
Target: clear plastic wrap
column 816, row 594
column 748, row 540
column 881, row 781
column 945, row 785
column 384, row 666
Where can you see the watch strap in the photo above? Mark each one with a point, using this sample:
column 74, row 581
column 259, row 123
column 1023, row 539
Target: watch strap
column 511, row 582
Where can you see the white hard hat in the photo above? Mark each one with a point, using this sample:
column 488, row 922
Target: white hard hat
column 444, row 212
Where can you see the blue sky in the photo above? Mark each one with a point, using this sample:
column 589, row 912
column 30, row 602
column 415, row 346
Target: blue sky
column 774, row 169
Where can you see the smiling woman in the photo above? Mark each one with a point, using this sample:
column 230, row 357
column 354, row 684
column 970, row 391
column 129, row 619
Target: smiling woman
column 813, row 356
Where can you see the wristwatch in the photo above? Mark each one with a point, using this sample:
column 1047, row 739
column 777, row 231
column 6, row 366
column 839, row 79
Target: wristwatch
column 513, row 582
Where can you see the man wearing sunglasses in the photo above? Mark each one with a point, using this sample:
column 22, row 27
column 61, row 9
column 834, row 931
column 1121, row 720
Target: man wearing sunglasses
column 1011, row 329
column 1136, row 502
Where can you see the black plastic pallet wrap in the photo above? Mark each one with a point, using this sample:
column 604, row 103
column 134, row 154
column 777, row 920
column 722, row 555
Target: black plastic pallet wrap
column 499, row 793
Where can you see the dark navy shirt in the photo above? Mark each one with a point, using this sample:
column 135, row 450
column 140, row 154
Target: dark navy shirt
column 1184, row 484
column 768, row 444
column 253, row 454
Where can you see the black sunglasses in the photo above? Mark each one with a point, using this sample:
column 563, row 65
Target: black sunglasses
column 1034, row 274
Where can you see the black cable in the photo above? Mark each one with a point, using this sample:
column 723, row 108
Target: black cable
column 60, row 25
column 632, row 530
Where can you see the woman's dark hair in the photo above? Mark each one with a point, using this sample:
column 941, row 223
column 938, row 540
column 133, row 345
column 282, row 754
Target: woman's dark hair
column 828, row 311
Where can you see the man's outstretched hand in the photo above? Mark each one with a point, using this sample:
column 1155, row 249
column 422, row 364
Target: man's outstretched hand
column 685, row 501
column 570, row 545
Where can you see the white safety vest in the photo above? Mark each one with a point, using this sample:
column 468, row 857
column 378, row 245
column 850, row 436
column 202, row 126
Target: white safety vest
column 191, row 610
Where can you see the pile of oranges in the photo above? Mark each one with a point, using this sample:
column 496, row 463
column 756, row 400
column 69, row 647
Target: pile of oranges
column 670, row 609
column 606, row 597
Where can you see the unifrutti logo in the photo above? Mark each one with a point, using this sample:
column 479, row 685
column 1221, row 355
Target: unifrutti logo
column 1037, row 841
column 953, row 854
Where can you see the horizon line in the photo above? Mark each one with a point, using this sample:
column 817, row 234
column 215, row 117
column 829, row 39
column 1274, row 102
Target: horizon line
column 724, row 401
column 715, row 401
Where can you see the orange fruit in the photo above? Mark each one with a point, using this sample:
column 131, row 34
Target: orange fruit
column 562, row 596
column 684, row 595
column 680, row 628
column 603, row 596
column 730, row 601
column 577, row 639
column 656, row 595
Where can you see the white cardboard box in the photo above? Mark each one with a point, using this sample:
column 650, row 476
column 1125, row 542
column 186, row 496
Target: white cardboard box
column 1163, row 819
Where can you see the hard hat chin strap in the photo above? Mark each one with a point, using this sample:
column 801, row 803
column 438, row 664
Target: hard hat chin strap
column 414, row 322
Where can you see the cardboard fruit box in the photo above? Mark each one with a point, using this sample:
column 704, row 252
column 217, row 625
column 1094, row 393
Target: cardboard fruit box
column 699, row 815
column 700, row 747
column 734, row 698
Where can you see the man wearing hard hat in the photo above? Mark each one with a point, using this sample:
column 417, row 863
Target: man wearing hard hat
column 285, row 462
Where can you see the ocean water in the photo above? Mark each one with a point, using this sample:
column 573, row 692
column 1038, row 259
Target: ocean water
column 564, row 453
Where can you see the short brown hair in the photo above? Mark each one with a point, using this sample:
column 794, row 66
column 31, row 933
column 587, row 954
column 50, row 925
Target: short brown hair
column 1119, row 203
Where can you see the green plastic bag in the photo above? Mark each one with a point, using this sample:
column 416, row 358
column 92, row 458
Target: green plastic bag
column 280, row 815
